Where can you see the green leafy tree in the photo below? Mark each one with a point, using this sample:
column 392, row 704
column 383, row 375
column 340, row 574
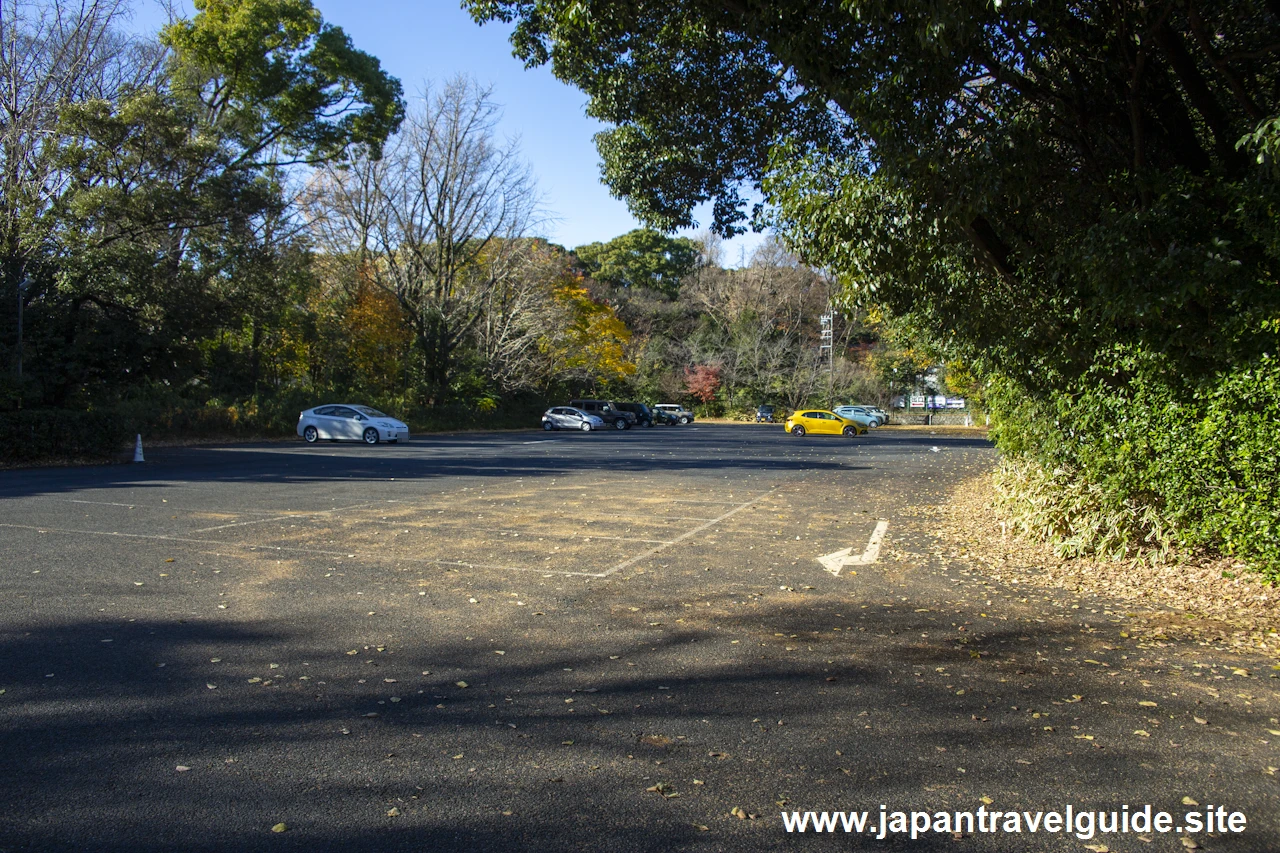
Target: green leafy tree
column 641, row 258
column 278, row 81
column 165, row 220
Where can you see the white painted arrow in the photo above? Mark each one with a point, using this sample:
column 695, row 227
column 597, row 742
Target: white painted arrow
column 835, row 562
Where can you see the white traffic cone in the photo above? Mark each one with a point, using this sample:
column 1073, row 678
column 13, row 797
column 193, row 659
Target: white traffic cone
column 137, row 450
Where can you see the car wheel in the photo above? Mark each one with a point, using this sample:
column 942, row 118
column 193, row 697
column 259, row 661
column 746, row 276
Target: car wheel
column 850, row 431
column 649, row 424
column 620, row 423
column 683, row 420
column 586, row 427
column 310, row 435
column 370, row 436
column 546, row 425
column 797, row 431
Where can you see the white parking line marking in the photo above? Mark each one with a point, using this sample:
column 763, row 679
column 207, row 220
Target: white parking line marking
column 659, row 545
column 626, row 564
column 836, row 561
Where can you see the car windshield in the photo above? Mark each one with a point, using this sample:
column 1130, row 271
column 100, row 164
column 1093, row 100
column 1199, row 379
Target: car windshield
column 373, row 413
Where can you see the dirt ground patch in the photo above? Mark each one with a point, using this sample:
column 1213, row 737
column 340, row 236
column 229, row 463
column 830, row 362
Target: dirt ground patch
column 1210, row 600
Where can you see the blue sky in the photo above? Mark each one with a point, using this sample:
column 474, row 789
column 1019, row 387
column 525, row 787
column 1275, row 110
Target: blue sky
column 433, row 40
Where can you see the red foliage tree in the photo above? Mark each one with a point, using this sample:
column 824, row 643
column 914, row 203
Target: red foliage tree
column 702, row 381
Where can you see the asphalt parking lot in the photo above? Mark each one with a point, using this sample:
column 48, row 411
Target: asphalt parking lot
column 570, row 641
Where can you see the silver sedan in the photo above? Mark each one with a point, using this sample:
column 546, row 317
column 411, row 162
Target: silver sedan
column 567, row 417
column 350, row 423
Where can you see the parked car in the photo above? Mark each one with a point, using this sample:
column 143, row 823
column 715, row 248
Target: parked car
column 567, row 417
column 664, row 417
column 679, row 412
column 644, row 415
column 764, row 415
column 820, row 422
column 879, row 414
column 859, row 414
column 348, row 422
column 607, row 411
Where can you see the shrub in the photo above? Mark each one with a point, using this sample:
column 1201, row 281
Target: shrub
column 32, row 435
column 1132, row 459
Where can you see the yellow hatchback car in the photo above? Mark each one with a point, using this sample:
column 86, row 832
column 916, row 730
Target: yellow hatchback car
column 822, row 422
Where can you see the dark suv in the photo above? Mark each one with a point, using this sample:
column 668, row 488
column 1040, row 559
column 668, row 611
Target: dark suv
column 644, row 414
column 764, row 414
column 608, row 411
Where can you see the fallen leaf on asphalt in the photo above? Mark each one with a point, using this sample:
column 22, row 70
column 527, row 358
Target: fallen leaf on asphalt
column 182, row 768
column 1275, row 732
column 393, row 812
column 280, row 827
column 1084, row 737
column 1189, row 843
column 987, row 800
column 701, row 827
column 1200, row 721
column 461, row 684
column 1098, row 848
column 1187, row 801
column 1142, row 733
column 663, row 789
column 1146, row 703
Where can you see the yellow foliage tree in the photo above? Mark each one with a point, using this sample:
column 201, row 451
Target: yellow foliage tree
column 590, row 341
column 377, row 337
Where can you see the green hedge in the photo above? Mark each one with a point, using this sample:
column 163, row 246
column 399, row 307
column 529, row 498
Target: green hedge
column 1133, row 458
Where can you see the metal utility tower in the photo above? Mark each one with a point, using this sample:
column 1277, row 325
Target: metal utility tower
column 827, row 344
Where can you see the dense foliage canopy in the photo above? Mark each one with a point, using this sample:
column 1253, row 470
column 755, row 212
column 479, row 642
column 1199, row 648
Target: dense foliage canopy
column 1087, row 156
